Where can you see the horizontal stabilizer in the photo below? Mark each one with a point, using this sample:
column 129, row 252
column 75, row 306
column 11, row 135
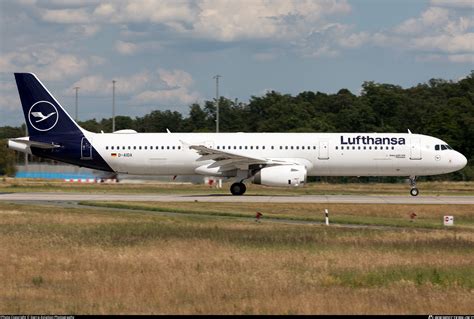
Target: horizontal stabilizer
column 29, row 143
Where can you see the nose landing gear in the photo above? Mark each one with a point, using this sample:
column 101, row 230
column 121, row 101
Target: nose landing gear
column 413, row 191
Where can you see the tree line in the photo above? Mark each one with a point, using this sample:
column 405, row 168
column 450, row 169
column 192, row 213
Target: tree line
column 440, row 108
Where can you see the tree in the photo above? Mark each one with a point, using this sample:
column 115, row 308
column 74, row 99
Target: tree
column 7, row 159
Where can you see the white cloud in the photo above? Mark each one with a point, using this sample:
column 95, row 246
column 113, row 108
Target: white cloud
column 453, row 3
column 175, row 78
column 462, row 58
column 131, row 48
column 86, row 30
column 126, row 48
column 66, row 16
column 278, row 21
column 354, row 40
column 445, row 43
column 9, row 99
column 47, row 63
column 438, row 34
column 144, row 87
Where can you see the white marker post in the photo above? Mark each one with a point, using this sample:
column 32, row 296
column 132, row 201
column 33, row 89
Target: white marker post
column 327, row 216
column 448, row 220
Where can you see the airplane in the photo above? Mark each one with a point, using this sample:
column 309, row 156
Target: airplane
column 272, row 159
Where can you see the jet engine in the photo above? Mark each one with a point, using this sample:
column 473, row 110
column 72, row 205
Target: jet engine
column 281, row 175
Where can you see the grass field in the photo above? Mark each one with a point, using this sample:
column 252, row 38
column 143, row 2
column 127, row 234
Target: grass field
column 97, row 261
column 398, row 215
column 426, row 188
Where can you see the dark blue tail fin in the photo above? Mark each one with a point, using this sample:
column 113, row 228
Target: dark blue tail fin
column 44, row 116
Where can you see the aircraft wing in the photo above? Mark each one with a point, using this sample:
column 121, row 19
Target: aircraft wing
column 229, row 161
column 34, row 143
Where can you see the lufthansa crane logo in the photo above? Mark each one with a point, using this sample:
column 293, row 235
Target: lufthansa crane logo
column 43, row 116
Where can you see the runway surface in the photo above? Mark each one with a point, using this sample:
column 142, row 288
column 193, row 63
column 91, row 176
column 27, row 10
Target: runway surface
column 342, row 199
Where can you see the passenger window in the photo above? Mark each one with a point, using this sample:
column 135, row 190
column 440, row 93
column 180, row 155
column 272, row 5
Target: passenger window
column 167, row 147
column 365, row 147
column 393, row 147
column 353, row 147
column 358, row 147
column 179, row 147
column 337, row 147
column 286, row 147
column 145, row 147
column 245, row 147
column 112, row 148
column 291, row 147
column 173, row 147
column 314, row 147
column 106, row 147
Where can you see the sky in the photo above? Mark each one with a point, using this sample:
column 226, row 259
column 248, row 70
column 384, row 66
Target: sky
column 164, row 54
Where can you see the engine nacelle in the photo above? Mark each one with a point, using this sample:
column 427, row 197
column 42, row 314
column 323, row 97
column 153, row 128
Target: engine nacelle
column 281, row 175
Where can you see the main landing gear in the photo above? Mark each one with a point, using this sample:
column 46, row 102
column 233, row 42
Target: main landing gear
column 413, row 191
column 238, row 188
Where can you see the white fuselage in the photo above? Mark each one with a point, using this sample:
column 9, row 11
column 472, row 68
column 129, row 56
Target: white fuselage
column 323, row 154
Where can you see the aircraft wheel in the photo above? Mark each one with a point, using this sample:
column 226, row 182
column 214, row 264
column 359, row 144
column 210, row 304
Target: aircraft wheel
column 414, row 191
column 238, row 188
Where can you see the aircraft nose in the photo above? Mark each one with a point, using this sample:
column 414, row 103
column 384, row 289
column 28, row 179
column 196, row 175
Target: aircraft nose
column 461, row 161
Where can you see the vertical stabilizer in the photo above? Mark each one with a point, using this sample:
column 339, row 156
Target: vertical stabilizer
column 44, row 115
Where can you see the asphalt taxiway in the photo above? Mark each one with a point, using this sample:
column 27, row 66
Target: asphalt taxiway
column 341, row 199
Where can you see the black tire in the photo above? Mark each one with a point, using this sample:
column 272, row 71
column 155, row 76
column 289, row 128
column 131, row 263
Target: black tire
column 238, row 188
column 414, row 191
column 243, row 188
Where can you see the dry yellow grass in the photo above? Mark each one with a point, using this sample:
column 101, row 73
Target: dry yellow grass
column 87, row 261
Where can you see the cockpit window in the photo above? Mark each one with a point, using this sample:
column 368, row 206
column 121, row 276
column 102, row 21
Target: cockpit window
column 442, row 147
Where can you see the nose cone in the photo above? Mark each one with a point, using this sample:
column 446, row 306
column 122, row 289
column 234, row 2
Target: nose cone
column 461, row 161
